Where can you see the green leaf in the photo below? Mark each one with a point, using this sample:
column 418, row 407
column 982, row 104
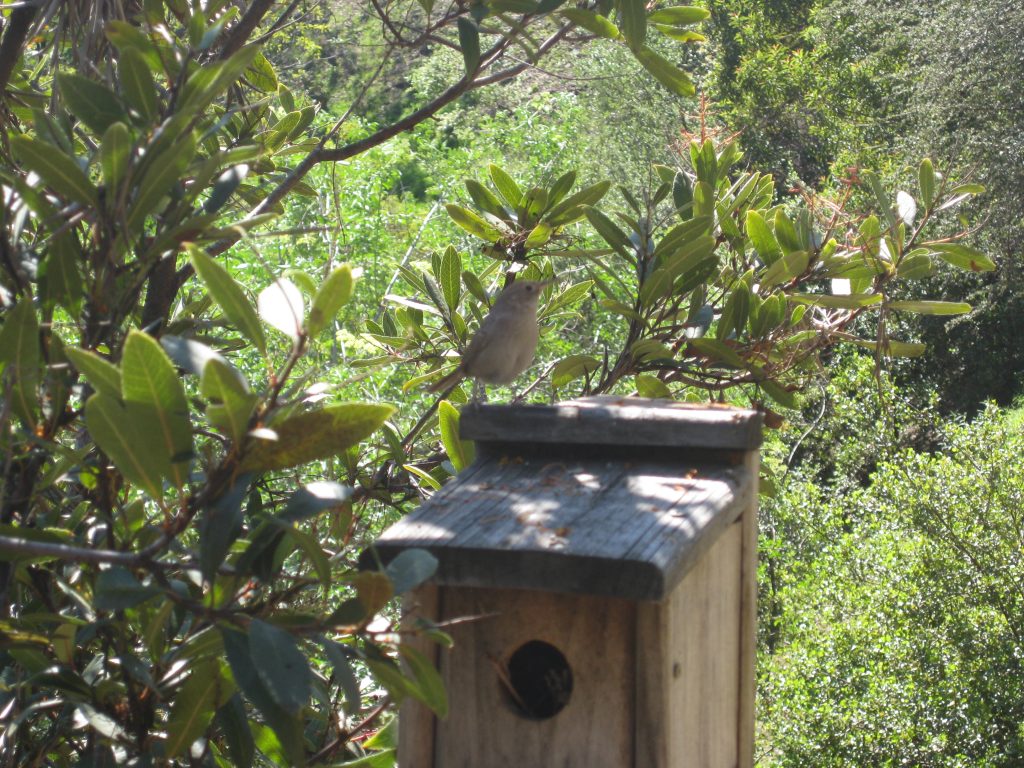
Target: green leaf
column 314, row 435
column 224, row 187
column 682, row 195
column 429, row 687
column 210, row 81
column 19, row 349
column 115, row 154
column 58, row 171
column 531, row 206
column 332, row 296
column 539, row 235
column 573, row 367
column 507, row 188
column 102, row 375
column 651, row 386
column 561, row 187
column 220, row 524
column 233, row 722
column 434, row 292
column 337, row 654
column 633, row 19
column 194, row 705
column 474, row 286
column 134, row 453
column 680, row 34
column 718, row 350
column 472, row 223
column 449, row 273
column 678, row 15
column 664, row 71
column 484, row 199
column 287, row 727
column 963, row 256
column 735, row 313
column 926, row 180
column 567, row 297
column 785, row 233
column 94, row 104
column 788, row 267
column 574, row 206
column 155, row 397
column 260, row 74
column 410, row 568
column 778, row 393
column 762, row 238
column 850, row 301
column 117, row 589
column 314, row 552
column 281, row 666
column 931, row 307
column 591, row 21
column 460, row 452
column 161, row 174
column 229, row 297
column 137, row 83
column 469, row 43
column 60, row 277
column 610, row 232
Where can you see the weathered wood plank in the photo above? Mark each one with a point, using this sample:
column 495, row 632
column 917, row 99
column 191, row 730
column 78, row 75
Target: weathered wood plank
column 688, row 666
column 590, row 527
column 485, row 730
column 620, row 421
column 748, row 624
column 416, row 734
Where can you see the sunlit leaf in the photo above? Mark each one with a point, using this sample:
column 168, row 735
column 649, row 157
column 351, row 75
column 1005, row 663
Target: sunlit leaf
column 229, row 296
column 472, row 223
column 314, row 435
column 664, row 71
column 155, row 399
column 591, row 21
column 931, row 307
column 460, row 452
column 332, row 296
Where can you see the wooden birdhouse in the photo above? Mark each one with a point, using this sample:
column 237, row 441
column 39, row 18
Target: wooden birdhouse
column 597, row 573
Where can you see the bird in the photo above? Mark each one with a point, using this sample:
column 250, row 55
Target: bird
column 506, row 341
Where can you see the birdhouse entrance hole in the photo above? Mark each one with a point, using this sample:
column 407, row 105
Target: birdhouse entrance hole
column 539, row 681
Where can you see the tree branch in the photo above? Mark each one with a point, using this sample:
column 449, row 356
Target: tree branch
column 74, row 554
column 18, row 26
column 241, row 31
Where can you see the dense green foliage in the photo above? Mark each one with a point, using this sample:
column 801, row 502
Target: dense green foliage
column 892, row 612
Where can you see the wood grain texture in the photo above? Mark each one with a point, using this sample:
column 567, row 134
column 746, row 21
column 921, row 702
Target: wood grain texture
column 608, row 420
column 688, row 666
column 485, row 730
column 416, row 721
column 587, row 527
column 748, row 623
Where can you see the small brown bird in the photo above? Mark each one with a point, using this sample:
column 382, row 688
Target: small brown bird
column 504, row 344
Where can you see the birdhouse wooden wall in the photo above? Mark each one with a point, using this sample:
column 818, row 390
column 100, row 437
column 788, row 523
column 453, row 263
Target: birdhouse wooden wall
column 597, row 570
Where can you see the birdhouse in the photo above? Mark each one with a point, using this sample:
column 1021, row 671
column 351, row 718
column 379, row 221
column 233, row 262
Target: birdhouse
column 597, row 574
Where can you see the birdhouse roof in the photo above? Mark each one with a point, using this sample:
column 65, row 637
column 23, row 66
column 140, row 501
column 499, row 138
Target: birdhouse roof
column 604, row 496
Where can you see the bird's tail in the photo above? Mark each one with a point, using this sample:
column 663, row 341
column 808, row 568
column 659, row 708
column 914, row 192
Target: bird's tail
column 447, row 383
